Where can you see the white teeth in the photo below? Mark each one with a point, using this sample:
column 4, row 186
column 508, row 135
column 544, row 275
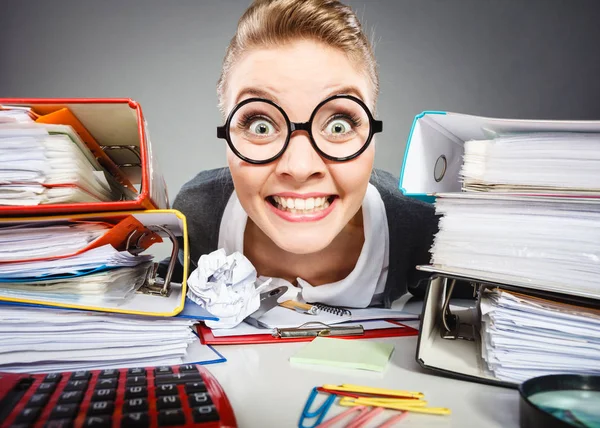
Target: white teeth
column 298, row 206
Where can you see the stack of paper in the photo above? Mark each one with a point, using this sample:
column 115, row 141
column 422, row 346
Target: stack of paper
column 533, row 163
column 552, row 246
column 49, row 164
column 73, row 262
column 17, row 115
column 524, row 337
column 39, row 340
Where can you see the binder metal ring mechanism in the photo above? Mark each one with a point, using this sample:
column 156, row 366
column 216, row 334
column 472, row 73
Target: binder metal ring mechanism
column 449, row 339
column 155, row 296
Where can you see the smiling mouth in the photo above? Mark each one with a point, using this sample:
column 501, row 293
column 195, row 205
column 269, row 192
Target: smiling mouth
column 301, row 206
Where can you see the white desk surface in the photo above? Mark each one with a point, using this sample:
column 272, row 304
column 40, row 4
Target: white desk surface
column 265, row 390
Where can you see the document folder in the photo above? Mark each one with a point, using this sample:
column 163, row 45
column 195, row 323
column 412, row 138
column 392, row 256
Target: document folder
column 435, row 146
column 116, row 133
column 449, row 341
column 157, row 296
column 208, row 338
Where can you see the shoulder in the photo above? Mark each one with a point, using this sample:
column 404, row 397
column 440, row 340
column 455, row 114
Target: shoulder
column 203, row 200
column 215, row 185
column 398, row 204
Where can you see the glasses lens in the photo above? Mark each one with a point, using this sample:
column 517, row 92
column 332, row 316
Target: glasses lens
column 258, row 130
column 341, row 127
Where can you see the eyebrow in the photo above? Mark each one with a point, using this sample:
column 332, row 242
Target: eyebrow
column 255, row 92
column 260, row 93
column 347, row 90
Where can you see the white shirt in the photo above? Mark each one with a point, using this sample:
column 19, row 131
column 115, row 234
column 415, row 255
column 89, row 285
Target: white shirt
column 362, row 286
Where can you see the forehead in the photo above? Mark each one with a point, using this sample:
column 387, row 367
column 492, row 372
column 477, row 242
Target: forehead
column 297, row 76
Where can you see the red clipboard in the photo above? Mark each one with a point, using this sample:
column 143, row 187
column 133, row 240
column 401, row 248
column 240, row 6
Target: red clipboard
column 207, row 338
column 115, row 130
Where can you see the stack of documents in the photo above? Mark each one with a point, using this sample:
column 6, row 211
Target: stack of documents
column 40, row 340
column 17, row 115
column 50, row 164
column 74, row 262
column 533, row 163
column 548, row 244
column 524, row 337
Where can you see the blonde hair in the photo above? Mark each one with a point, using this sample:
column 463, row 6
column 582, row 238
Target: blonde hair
column 268, row 23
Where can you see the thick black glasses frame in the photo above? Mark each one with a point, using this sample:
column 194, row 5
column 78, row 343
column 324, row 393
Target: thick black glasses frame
column 375, row 126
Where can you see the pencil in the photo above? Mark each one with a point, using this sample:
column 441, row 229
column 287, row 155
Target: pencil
column 300, row 307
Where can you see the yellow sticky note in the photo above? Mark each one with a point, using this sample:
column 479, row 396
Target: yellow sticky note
column 353, row 354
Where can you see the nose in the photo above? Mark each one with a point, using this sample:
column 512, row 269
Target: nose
column 300, row 161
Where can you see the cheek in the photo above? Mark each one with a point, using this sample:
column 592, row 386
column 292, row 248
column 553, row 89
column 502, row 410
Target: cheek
column 248, row 179
column 352, row 177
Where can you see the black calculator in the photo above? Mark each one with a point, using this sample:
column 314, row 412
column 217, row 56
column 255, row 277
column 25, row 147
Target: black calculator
column 168, row 396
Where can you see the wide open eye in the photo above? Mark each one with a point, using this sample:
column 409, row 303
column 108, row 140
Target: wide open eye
column 261, row 127
column 338, row 127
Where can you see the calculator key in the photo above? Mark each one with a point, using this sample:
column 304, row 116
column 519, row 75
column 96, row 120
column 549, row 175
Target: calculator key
column 136, row 380
column 38, row 400
column 138, row 371
column 53, row 377
column 199, row 399
column 167, row 389
column 76, row 385
column 171, row 417
column 81, row 375
column 64, row 411
column 192, row 387
column 104, row 394
column 108, row 373
column 205, row 414
column 70, row 397
column 46, row 388
column 139, row 419
column 101, row 408
column 135, row 405
column 136, row 392
column 178, row 378
column 168, row 402
column 188, row 368
column 163, row 370
column 107, row 383
column 98, row 421
column 59, row 423
column 28, row 415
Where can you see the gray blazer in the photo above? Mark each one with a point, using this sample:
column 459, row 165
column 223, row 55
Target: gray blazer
column 411, row 223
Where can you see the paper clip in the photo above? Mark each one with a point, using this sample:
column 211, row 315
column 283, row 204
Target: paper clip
column 347, row 401
column 374, row 391
column 319, row 413
column 360, row 409
column 392, row 421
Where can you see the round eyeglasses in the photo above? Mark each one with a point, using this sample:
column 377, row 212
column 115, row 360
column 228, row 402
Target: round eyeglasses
column 340, row 128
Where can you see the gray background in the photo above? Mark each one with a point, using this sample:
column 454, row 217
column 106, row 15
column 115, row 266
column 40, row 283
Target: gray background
column 503, row 58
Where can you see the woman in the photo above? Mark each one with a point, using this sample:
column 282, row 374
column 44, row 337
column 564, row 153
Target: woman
column 300, row 198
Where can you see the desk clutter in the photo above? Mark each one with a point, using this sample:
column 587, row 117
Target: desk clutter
column 365, row 403
column 519, row 206
column 83, row 213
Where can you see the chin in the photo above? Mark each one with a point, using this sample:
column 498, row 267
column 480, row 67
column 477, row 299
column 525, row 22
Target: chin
column 304, row 244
